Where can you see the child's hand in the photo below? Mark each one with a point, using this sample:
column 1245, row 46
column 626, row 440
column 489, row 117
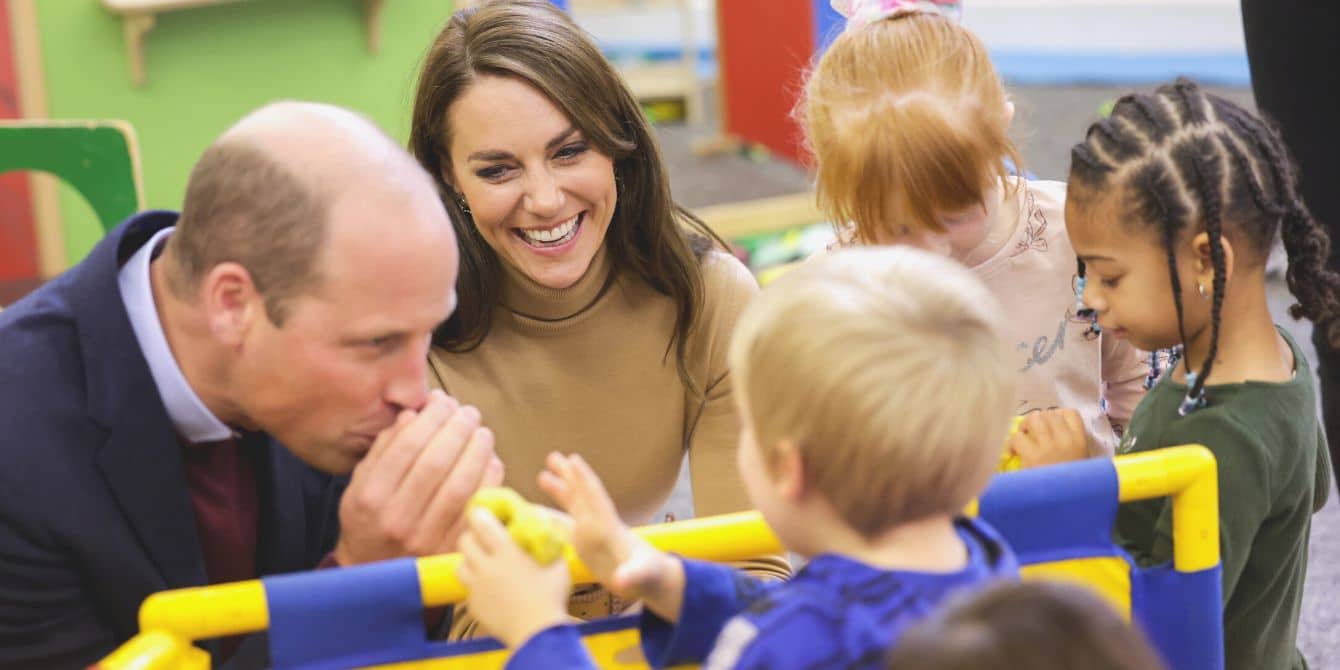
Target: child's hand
column 625, row 563
column 1050, row 436
column 513, row 596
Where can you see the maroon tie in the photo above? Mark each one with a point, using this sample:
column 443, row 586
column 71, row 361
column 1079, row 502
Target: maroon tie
column 221, row 478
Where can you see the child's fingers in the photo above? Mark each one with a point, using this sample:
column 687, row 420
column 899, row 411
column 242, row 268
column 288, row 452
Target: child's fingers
column 565, row 469
column 1041, row 428
column 582, row 474
column 1073, row 421
column 1015, row 443
column 554, row 459
column 486, row 532
column 556, row 463
column 1027, row 427
column 465, row 575
column 1023, row 444
column 1059, row 427
column 1029, row 423
column 560, row 465
column 469, row 548
column 590, row 486
column 556, row 487
column 559, row 517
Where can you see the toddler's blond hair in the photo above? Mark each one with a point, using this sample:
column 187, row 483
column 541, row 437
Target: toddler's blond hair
column 887, row 368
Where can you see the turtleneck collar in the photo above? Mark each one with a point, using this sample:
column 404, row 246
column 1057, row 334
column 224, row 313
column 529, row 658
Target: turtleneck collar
column 523, row 296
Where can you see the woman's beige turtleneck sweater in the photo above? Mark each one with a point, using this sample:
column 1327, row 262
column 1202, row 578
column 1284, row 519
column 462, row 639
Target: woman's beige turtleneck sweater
column 588, row 369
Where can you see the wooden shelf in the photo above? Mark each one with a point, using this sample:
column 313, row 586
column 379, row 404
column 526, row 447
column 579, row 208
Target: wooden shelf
column 138, row 18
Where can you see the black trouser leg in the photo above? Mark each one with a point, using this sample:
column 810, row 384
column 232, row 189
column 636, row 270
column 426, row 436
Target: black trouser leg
column 1294, row 49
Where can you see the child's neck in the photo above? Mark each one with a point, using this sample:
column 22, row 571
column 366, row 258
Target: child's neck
column 926, row 545
column 1001, row 221
column 1250, row 348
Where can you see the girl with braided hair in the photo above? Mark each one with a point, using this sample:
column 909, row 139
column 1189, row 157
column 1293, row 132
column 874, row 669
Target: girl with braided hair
column 1174, row 203
column 909, row 124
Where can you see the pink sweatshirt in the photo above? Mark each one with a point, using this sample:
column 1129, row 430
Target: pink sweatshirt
column 1063, row 363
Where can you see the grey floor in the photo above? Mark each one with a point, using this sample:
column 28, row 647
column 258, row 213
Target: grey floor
column 1048, row 121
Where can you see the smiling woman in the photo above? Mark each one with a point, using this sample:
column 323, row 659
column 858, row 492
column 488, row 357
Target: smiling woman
column 594, row 312
column 538, row 194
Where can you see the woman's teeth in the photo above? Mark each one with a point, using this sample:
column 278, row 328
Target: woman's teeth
column 553, row 236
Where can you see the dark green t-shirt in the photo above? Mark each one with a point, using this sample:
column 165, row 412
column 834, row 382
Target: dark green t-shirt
column 1274, row 472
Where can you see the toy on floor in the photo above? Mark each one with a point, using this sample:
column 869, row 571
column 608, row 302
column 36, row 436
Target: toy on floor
column 773, row 249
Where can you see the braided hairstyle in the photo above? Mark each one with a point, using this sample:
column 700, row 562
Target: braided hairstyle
column 1194, row 162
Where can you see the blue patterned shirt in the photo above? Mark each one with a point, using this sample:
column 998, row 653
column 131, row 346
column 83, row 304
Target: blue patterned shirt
column 835, row 613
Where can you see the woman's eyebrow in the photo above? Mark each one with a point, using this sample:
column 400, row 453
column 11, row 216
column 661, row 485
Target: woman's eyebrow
column 498, row 154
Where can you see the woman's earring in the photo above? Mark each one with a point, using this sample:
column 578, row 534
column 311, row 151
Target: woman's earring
column 1203, row 293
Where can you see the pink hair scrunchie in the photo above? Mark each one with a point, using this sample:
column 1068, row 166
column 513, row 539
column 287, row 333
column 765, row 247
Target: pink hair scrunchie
column 865, row 12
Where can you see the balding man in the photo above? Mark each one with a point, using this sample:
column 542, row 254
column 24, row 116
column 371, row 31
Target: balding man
column 180, row 408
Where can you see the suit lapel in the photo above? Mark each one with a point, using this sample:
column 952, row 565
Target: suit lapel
column 141, row 457
column 141, row 462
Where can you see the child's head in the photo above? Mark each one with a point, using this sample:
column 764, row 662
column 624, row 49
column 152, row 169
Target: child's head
column 1034, row 625
column 1173, row 204
column 882, row 375
column 908, row 122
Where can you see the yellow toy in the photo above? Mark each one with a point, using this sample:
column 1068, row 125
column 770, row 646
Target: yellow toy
column 1009, row 461
column 533, row 529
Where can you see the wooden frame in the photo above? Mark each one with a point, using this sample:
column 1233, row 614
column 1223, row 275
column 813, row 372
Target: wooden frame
column 751, row 217
column 44, row 188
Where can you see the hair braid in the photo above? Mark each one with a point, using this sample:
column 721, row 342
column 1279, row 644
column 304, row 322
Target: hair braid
column 1168, row 222
column 1313, row 284
column 1153, row 117
column 1193, row 106
column 1093, row 164
column 1316, row 287
column 1113, row 143
column 1259, row 196
column 1190, row 159
column 1206, row 173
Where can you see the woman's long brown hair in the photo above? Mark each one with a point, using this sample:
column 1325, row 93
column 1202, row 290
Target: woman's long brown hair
column 536, row 43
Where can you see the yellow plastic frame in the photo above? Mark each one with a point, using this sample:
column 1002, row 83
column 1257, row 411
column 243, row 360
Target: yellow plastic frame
column 171, row 620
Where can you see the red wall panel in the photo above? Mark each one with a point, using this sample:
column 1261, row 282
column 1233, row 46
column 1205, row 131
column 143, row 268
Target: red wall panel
column 18, row 242
column 766, row 47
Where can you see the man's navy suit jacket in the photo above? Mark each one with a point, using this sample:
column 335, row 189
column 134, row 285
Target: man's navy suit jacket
column 95, row 514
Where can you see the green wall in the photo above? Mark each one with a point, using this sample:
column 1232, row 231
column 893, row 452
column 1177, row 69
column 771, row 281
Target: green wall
column 209, row 66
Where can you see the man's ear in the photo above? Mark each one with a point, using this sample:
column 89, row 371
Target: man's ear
column 788, row 471
column 232, row 303
column 1204, row 261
